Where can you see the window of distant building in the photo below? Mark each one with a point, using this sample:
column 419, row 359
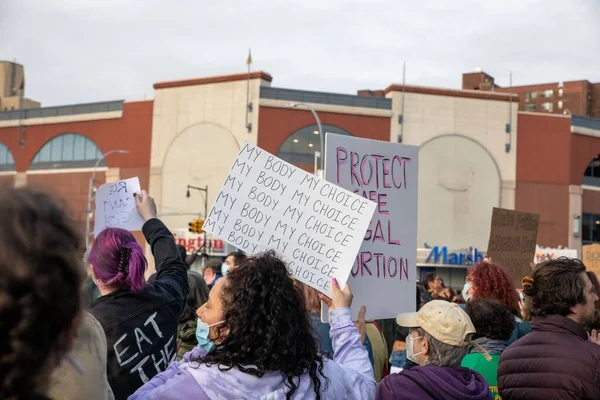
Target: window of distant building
column 590, row 228
column 591, row 175
column 7, row 162
column 530, row 96
column 300, row 146
column 560, row 92
column 529, row 107
column 548, row 106
column 69, row 150
column 548, row 93
column 560, row 104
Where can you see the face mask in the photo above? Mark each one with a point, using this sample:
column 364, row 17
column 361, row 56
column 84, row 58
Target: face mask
column 202, row 331
column 410, row 350
column 224, row 269
column 465, row 292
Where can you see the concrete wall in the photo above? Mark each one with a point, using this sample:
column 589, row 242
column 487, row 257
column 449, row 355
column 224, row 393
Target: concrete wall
column 465, row 170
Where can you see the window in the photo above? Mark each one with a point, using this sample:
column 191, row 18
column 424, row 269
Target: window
column 7, row 162
column 69, row 150
column 548, row 106
column 300, row 146
column 530, row 96
column 560, row 104
column 560, row 92
column 590, row 228
column 548, row 93
column 529, row 107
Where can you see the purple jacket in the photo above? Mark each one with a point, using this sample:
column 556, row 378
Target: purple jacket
column 433, row 382
column 350, row 375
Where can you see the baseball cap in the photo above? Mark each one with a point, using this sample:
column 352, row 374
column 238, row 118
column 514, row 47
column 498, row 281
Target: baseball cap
column 445, row 321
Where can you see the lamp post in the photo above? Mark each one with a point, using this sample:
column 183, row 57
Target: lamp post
column 204, row 192
column 90, row 189
column 314, row 113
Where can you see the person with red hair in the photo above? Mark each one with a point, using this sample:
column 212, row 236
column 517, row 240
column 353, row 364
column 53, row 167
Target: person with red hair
column 486, row 280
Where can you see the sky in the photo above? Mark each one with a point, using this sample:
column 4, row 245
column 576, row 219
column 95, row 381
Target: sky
column 77, row 51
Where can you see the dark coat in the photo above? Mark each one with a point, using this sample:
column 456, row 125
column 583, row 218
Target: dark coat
column 554, row 361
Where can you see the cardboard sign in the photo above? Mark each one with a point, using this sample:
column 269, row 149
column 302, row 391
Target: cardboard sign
column 591, row 258
column 384, row 272
column 550, row 253
column 115, row 206
column 513, row 239
column 267, row 203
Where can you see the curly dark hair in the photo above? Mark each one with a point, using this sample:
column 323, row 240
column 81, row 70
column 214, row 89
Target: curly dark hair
column 492, row 281
column 269, row 328
column 491, row 319
column 41, row 273
column 556, row 286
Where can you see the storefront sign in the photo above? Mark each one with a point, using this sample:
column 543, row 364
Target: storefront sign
column 441, row 255
column 194, row 242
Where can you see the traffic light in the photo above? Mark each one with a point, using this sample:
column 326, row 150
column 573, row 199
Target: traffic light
column 196, row 226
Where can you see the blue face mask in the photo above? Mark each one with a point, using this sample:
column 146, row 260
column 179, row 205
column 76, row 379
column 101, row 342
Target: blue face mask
column 202, row 331
column 224, row 269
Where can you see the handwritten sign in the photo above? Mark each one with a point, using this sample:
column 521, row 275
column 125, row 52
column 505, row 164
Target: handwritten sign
column 266, row 203
column 115, row 206
column 591, row 258
column 513, row 241
column 384, row 272
column 550, row 253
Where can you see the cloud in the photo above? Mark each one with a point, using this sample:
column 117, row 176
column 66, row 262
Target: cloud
column 80, row 51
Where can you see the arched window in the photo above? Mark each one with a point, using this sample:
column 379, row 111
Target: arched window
column 69, row 150
column 7, row 162
column 300, row 146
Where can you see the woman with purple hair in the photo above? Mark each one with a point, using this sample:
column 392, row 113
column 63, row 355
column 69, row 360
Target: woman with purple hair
column 140, row 319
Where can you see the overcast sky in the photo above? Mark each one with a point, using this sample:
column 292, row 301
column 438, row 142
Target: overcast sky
column 78, row 51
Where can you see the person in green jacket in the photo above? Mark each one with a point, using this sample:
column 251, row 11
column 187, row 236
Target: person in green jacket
column 494, row 325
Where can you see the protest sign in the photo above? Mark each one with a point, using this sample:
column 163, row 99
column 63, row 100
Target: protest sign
column 384, row 272
column 115, row 206
column 513, row 241
column 266, row 203
column 550, row 253
column 591, row 258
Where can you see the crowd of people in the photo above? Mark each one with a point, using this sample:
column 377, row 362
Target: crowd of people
column 245, row 329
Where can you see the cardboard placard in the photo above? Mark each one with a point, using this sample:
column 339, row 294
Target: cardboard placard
column 384, row 273
column 591, row 258
column 267, row 203
column 513, row 239
column 115, row 206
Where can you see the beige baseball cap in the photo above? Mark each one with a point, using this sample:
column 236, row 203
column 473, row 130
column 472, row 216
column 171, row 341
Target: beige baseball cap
column 445, row 321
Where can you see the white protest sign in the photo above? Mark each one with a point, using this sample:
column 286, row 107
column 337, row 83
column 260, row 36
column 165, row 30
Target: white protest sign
column 550, row 253
column 384, row 273
column 115, row 206
column 266, row 203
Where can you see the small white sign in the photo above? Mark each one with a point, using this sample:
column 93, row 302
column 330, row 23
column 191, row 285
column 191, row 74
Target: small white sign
column 316, row 226
column 115, row 206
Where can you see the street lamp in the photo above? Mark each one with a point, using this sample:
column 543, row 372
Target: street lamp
column 90, row 189
column 314, row 113
column 204, row 192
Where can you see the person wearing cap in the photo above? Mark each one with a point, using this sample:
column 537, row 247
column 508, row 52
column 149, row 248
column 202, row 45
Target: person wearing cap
column 438, row 341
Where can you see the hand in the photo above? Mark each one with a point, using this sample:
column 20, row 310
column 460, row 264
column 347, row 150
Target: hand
column 340, row 299
column 145, row 205
column 594, row 337
column 361, row 324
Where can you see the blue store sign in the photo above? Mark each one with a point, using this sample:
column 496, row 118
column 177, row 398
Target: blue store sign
column 441, row 255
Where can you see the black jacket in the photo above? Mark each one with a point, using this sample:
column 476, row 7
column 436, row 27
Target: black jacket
column 555, row 361
column 141, row 328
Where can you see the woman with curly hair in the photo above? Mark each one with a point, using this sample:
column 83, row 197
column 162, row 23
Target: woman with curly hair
column 41, row 275
column 494, row 325
column 490, row 281
column 255, row 342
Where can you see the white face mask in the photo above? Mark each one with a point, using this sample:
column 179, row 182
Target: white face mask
column 410, row 350
column 465, row 291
